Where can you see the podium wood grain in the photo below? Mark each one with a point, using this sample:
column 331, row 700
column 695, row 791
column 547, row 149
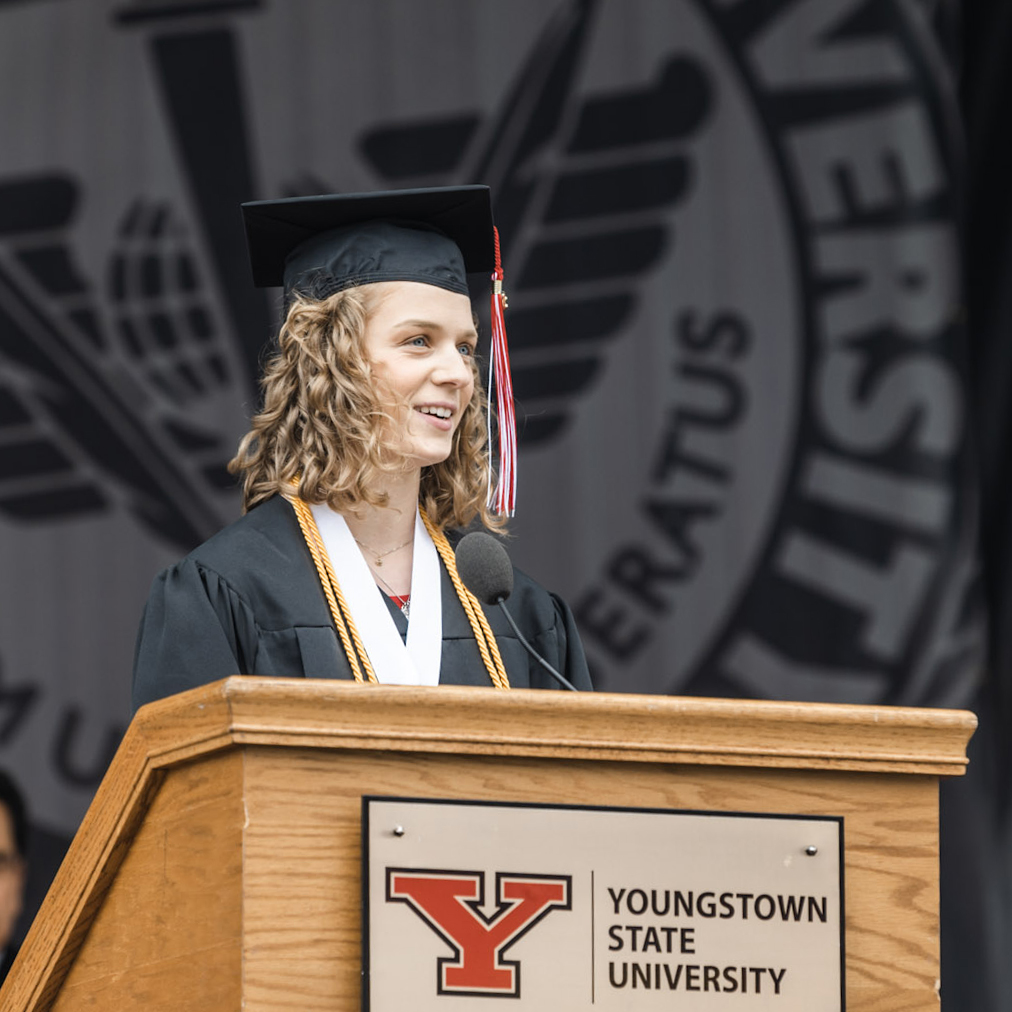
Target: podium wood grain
column 218, row 867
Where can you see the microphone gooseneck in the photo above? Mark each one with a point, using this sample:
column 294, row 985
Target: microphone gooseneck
column 487, row 573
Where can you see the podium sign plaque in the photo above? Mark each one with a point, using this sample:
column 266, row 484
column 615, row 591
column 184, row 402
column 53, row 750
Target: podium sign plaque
column 573, row 907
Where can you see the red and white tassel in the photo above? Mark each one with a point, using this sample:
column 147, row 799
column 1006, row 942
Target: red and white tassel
column 504, row 497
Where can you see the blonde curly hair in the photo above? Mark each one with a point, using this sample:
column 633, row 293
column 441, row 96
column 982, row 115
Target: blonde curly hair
column 321, row 423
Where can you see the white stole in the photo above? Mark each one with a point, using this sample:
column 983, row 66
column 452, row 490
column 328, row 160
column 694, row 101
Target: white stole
column 395, row 663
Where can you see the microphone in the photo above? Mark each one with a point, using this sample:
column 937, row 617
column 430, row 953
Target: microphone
column 487, row 572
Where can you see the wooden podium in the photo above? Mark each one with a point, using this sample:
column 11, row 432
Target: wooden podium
column 218, row 867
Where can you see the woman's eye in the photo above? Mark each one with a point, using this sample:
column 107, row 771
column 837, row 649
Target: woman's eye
column 418, row 341
column 467, row 350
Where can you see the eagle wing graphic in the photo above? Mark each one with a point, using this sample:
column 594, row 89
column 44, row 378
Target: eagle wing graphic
column 73, row 414
column 583, row 192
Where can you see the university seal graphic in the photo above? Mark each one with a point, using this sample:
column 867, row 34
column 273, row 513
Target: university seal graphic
column 730, row 251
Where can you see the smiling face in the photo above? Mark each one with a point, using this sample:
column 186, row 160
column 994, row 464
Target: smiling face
column 420, row 342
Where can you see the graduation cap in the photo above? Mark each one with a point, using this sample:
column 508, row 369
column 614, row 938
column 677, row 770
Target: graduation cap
column 317, row 246
column 320, row 245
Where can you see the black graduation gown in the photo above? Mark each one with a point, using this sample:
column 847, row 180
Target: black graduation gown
column 249, row 601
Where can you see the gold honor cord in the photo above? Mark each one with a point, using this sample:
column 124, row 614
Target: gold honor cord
column 354, row 648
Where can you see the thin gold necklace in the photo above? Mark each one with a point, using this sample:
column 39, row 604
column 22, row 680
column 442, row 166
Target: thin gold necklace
column 378, row 557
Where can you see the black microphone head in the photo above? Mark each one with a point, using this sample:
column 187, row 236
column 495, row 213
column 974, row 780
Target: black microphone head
column 484, row 567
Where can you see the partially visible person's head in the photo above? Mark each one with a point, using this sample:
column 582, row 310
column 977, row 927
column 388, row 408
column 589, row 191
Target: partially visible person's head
column 338, row 413
column 13, row 856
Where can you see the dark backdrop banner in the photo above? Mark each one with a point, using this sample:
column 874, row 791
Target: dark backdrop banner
column 732, row 254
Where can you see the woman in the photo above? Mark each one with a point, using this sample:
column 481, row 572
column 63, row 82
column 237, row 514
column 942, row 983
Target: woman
column 370, row 444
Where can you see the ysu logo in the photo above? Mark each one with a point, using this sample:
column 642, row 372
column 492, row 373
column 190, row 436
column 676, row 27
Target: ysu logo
column 450, row 903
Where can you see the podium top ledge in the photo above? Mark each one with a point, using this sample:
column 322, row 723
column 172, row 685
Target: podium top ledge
column 318, row 713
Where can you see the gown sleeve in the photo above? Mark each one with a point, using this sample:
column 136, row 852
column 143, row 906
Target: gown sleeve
column 569, row 659
column 195, row 629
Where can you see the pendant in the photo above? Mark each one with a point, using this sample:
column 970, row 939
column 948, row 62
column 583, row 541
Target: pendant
column 406, row 609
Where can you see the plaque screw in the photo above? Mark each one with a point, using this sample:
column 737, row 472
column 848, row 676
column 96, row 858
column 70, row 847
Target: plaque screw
column 398, row 830
column 811, row 850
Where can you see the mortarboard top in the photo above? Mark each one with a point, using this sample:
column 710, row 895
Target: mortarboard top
column 322, row 244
